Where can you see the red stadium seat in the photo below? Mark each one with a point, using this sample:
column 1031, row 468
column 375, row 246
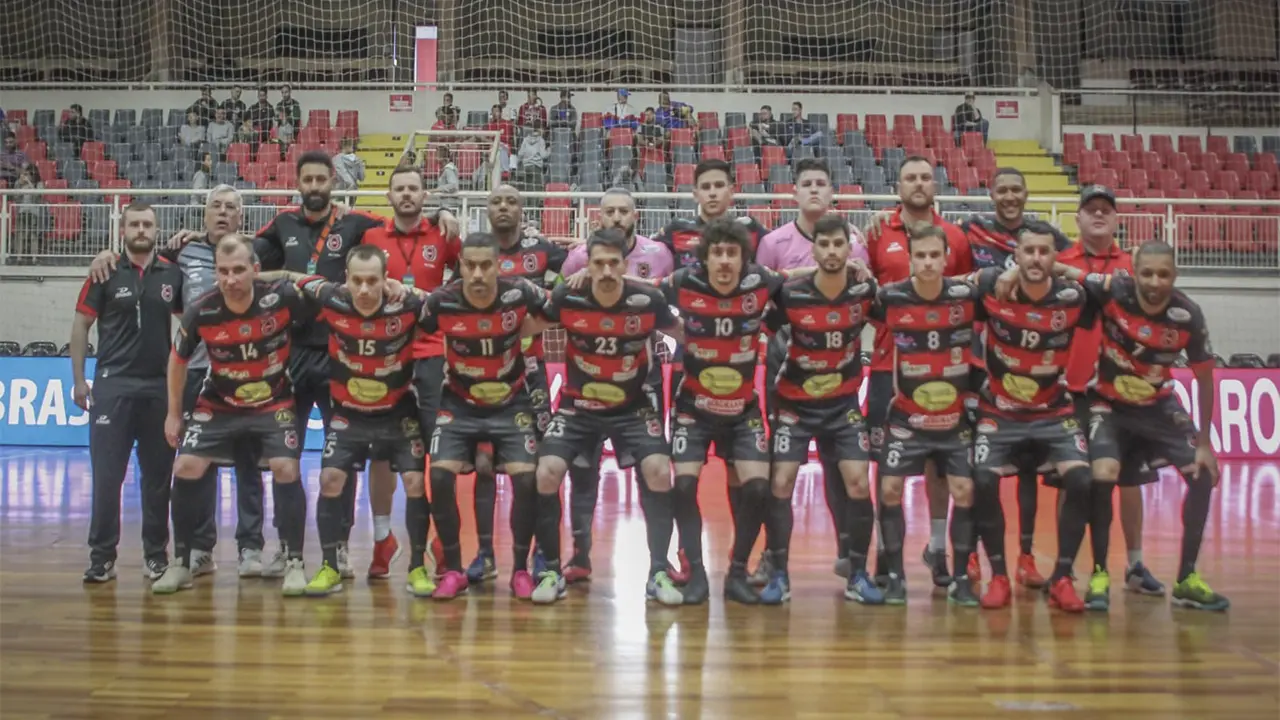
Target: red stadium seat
column 965, row 179
column 1072, row 146
column 592, row 120
column 291, row 158
column 558, row 202
column 1236, row 162
column 1090, row 164
column 933, row 123
column 876, row 123
column 67, row 221
column 684, row 175
column 119, row 184
column 903, row 121
column 763, row 215
column 25, row 134
column 311, row 138
column 1108, row 177
column 257, row 173
column 1190, row 144
column 1218, row 144
column 850, row 204
column 318, row 119
column 971, row 142
column 1117, row 160
column 1161, row 145
column 48, row 170
column 1136, row 179
column 238, row 153
column 557, row 222
column 681, row 137
column 103, row 171
column 469, row 157
column 738, row 137
column 1197, row 181
column 1259, row 180
column 1139, row 229
column 845, row 122
column 282, row 198
column 1103, row 142
column 1209, row 162
column 621, row 137
column 746, row 174
column 1243, row 206
column 349, row 119
column 36, row 151
column 1201, row 232
column 709, row 120
column 711, row 152
column 92, row 152
column 1168, row 180
column 1227, row 180
column 653, row 156
column 771, row 155
column 1131, row 144
column 954, row 159
column 1151, row 162
column 1151, row 208
column 783, row 189
column 1267, row 234
column 332, row 138
column 1179, row 163
column 16, row 116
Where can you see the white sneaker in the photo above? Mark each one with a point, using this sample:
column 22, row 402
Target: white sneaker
column 176, row 577
column 344, row 562
column 202, row 563
column 295, row 578
column 277, row 566
column 250, row 563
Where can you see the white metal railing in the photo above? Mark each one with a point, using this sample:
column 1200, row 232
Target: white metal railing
column 37, row 232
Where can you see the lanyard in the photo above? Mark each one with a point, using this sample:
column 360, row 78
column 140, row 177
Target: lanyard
column 324, row 237
column 413, row 238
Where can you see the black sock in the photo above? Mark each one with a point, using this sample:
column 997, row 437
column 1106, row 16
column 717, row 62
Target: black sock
column 837, row 502
column 1028, row 495
column 735, row 500
column 185, row 502
column 348, row 517
column 1195, row 513
column 859, row 522
column 688, row 516
column 486, row 496
column 547, row 529
column 524, row 517
column 291, row 512
column 417, row 522
column 1100, row 513
column 988, row 514
column 444, row 510
column 961, row 539
column 658, row 527
column 1077, row 486
column 584, row 487
column 893, row 525
column 746, row 524
column 329, row 525
column 779, row 522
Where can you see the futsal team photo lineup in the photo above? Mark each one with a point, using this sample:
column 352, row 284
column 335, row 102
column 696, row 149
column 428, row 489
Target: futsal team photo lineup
column 604, row 360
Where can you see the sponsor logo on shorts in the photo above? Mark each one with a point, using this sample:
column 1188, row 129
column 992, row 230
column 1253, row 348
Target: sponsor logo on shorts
column 523, row 420
column 1070, row 424
column 762, row 443
column 987, row 427
column 788, row 418
column 864, row 442
column 1080, row 443
column 416, row 448
column 291, row 439
column 201, row 416
column 285, row 417
column 877, row 436
column 269, row 301
column 965, row 437
column 531, row 444
column 755, row 423
column 684, row 419
column 853, row 417
column 934, row 422
column 653, row 427
column 444, row 418
column 409, row 426
column 338, row 423
column 900, row 432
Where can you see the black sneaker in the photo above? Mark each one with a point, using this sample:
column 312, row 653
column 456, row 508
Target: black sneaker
column 936, row 561
column 961, row 593
column 738, row 589
column 895, row 590
column 696, row 591
column 882, row 569
column 153, row 568
column 100, row 572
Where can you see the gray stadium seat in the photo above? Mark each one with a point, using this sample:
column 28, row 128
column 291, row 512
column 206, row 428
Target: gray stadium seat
column 186, row 169
column 164, row 171
column 710, row 136
column 99, row 117
column 135, row 171
column 62, row 152
column 744, row 155
column 1271, row 144
column 40, row 348
column 841, row 174
column 818, row 120
column 151, row 153
column 177, row 117
column 1247, row 144
column 152, row 117
column 157, row 134
column 227, row 172
column 9, row 348
column 477, row 118
column 86, row 185
column 137, row 135
column 800, row 152
column 780, row 174
column 126, row 117
column 44, row 118
column 684, row 155
column 735, row 119
column 72, row 170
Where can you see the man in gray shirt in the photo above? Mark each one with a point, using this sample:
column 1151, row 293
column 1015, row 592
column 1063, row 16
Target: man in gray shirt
column 220, row 132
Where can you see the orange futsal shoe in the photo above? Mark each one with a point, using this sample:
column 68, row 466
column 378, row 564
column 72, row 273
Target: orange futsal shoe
column 1027, row 574
column 998, row 594
column 1062, row 595
column 680, row 575
column 385, row 552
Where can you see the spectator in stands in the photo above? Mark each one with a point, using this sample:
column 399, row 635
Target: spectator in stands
column 290, row 106
column 968, row 118
column 348, row 168
column 502, row 125
column 247, row 133
column 204, row 107
column 764, row 129
column 448, row 108
column 650, row 133
column 12, row 160
column 447, row 184
column 33, row 216
column 283, row 133
column 622, row 112
column 234, row 106
column 75, row 129
column 672, row 114
column 445, row 119
column 532, row 159
column 532, row 113
column 220, row 132
column 563, row 113
column 508, row 112
column 796, row 131
column 201, row 180
column 261, row 113
column 193, row 135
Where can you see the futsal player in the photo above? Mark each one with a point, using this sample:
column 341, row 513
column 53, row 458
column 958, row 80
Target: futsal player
column 930, row 319
column 374, row 411
column 132, row 310
column 817, row 399
column 246, row 327
column 485, row 399
column 1024, row 410
column 608, row 324
column 1147, row 324
column 647, row 259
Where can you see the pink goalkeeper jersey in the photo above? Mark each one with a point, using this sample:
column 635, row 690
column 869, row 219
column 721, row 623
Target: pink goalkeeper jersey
column 647, row 259
column 788, row 248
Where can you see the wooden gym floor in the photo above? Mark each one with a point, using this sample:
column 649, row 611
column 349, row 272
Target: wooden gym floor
column 231, row 649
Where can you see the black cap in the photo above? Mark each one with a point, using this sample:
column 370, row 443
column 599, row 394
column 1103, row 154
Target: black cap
column 1097, row 191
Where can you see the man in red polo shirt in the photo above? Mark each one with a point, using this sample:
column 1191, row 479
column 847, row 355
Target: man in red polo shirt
column 891, row 262
column 1099, row 252
column 418, row 254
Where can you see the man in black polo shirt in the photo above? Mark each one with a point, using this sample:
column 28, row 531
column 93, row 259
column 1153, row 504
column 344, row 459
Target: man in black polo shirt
column 128, row 401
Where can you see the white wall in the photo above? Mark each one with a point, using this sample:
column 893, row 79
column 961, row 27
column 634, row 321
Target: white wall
column 375, row 117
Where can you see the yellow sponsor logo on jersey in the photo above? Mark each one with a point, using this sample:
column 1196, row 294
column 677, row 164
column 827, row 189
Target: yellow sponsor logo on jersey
column 1134, row 388
column 1020, row 387
column 603, row 392
column 365, row 390
column 934, row 396
column 253, row 393
column 490, row 392
column 720, row 380
column 822, row 385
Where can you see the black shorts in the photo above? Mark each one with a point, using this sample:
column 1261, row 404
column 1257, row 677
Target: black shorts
column 740, row 438
column 428, row 383
column 213, row 435
column 1162, row 434
column 879, row 400
column 539, row 389
column 1003, row 442
column 394, row 436
column 840, row 430
column 509, row 430
column 251, row 447
column 907, row 449
column 635, row 433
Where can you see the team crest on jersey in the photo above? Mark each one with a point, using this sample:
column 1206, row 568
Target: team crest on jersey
column 1058, row 320
column 530, row 263
column 269, row 326
column 509, row 321
column 246, row 331
column 429, row 253
column 166, row 293
column 955, row 315
column 749, row 281
column 506, row 266
column 393, row 326
column 631, row 325
column 268, row 301
column 334, row 243
column 484, row 325
column 1169, row 337
column 643, row 269
column 749, row 303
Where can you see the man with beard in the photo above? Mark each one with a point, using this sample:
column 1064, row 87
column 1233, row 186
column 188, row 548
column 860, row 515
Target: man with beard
column 195, row 259
column 133, row 310
column 418, row 255
column 1024, row 410
column 647, row 259
column 889, row 246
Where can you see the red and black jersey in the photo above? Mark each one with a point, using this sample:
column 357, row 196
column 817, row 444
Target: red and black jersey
column 1027, row 344
column 933, row 349
column 992, row 243
column 608, row 355
column 722, row 336
column 249, row 352
column 823, row 363
column 484, row 364
column 682, row 235
column 533, row 258
column 372, row 355
column 1137, row 348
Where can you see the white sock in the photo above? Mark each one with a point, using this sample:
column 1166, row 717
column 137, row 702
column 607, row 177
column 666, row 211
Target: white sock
column 938, row 535
column 1135, row 557
column 381, row 527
